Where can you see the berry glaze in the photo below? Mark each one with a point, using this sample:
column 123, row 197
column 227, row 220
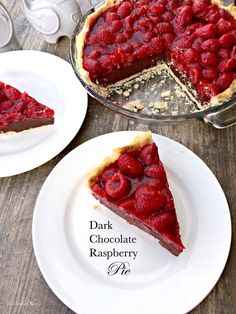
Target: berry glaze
column 19, row 111
column 135, row 187
column 198, row 37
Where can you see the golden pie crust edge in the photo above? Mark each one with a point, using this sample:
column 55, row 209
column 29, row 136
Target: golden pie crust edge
column 104, row 91
column 137, row 142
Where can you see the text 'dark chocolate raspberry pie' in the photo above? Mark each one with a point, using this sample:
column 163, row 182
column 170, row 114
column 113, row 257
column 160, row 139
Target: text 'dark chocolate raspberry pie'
column 196, row 38
column 132, row 183
column 19, row 111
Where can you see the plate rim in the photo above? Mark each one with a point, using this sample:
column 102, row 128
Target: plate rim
column 135, row 133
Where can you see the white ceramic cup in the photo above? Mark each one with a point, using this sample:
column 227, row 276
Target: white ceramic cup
column 53, row 18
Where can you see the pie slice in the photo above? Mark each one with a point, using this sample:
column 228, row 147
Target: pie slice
column 132, row 183
column 195, row 38
column 19, row 111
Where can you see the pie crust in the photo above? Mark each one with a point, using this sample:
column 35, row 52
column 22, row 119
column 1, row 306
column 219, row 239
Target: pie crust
column 105, row 91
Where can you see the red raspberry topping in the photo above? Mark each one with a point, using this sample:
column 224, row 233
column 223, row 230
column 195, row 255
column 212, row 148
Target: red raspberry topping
column 210, row 74
column 164, row 27
column 225, row 80
column 164, row 221
column 190, row 55
column 130, row 165
column 207, row 31
column 208, row 59
column 149, row 155
column 210, row 45
column 125, row 9
column 227, row 40
column 184, row 16
column 148, row 199
column 117, row 186
column 223, row 26
column 108, row 173
column 155, row 171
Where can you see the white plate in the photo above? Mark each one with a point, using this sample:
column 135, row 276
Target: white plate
column 51, row 81
column 158, row 282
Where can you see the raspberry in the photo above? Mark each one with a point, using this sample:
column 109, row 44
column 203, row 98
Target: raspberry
column 130, row 165
column 227, row 40
column 6, row 106
column 144, row 24
column 12, row 93
column 164, row 27
column 224, row 53
column 233, row 53
column 190, row 55
column 168, row 16
column 223, row 26
column 128, row 205
column 225, row 80
column 172, row 5
column 94, row 54
column 212, row 16
column 149, row 154
column 125, row 9
column 156, row 18
column 194, row 75
column 163, row 222
column 128, row 48
column 192, row 28
column 168, row 38
column 117, row 186
column 182, row 43
column 128, row 23
column 210, row 74
column 116, row 26
column 184, row 16
column 111, row 17
column 188, row 2
column 207, row 31
column 157, row 183
column 207, row 90
column 108, row 173
column 120, row 39
column 144, row 51
column 163, row 2
column 169, row 199
column 98, row 190
column 200, row 7
column 227, row 65
column 208, row 59
column 211, row 45
column 158, row 44
column 105, row 36
column 156, row 9
column 92, row 66
column 148, row 199
column 155, row 171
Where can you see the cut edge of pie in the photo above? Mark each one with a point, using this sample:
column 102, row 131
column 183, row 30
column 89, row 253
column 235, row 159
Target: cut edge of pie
column 105, row 91
column 170, row 239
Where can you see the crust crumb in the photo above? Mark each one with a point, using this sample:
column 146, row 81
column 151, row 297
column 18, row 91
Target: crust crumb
column 135, row 105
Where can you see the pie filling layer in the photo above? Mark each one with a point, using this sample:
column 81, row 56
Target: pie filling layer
column 19, row 111
column 198, row 37
column 134, row 186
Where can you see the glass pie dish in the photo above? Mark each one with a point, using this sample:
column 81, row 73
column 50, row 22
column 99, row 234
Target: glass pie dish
column 156, row 99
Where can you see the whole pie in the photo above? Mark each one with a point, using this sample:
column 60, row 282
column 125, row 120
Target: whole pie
column 196, row 38
column 132, row 182
column 19, row 111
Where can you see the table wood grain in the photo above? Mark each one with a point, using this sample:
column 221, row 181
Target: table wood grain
column 22, row 287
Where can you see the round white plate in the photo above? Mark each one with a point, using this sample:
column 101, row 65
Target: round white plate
column 51, row 81
column 158, row 282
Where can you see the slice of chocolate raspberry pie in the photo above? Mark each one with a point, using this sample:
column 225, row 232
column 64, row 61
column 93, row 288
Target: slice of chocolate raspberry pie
column 132, row 183
column 19, row 111
column 195, row 38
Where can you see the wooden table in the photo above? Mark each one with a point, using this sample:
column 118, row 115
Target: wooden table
column 22, row 287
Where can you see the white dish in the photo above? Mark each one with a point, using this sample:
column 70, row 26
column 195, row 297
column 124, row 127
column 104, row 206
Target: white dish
column 51, row 81
column 158, row 282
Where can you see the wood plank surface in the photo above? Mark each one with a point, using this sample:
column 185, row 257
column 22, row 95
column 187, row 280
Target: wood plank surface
column 22, row 287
